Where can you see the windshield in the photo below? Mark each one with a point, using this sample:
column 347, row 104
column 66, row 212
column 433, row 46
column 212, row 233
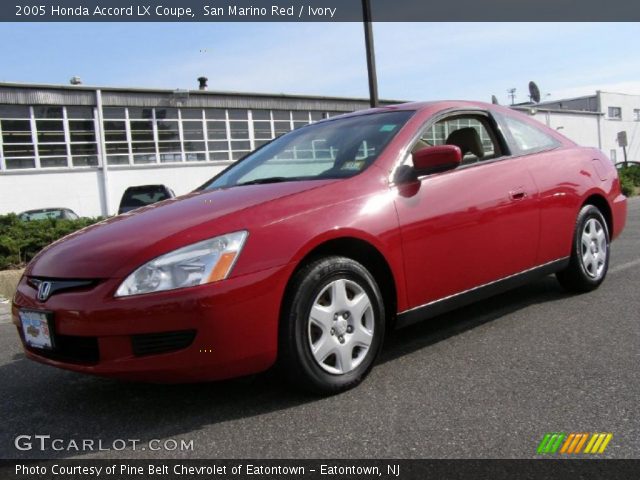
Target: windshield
column 337, row 148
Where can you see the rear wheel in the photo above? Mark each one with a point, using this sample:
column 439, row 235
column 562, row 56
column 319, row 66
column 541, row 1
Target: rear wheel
column 590, row 253
column 333, row 325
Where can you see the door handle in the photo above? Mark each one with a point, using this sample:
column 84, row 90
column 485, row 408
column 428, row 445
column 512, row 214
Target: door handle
column 517, row 194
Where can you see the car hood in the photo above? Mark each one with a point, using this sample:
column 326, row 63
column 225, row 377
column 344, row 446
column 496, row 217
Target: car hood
column 114, row 247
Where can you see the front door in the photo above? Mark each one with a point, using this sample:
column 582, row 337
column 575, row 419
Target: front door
column 470, row 226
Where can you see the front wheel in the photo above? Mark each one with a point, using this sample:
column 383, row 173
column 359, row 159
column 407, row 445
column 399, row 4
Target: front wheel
column 332, row 326
column 590, row 252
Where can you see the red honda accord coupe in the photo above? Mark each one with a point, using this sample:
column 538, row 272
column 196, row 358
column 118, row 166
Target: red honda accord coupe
column 312, row 246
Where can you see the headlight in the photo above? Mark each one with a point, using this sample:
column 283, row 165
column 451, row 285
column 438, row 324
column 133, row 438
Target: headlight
column 203, row 262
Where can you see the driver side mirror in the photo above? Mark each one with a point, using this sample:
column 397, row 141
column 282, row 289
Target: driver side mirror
column 436, row 159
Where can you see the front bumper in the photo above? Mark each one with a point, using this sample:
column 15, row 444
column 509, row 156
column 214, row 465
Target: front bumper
column 209, row 332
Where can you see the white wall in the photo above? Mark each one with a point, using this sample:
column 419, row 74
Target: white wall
column 81, row 190
column 610, row 128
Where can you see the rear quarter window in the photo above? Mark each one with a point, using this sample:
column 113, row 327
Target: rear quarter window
column 527, row 138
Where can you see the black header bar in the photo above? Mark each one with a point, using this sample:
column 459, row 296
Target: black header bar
column 318, row 11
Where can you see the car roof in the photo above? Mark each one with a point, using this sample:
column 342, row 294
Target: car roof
column 42, row 210
column 423, row 106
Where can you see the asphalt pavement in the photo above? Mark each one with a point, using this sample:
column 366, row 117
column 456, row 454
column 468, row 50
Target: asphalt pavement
column 486, row 381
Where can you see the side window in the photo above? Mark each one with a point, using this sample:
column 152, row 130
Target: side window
column 469, row 132
column 528, row 138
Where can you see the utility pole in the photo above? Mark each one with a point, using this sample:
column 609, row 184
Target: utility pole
column 371, row 56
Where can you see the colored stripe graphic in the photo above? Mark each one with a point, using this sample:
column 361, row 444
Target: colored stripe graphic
column 598, row 443
column 573, row 443
column 550, row 443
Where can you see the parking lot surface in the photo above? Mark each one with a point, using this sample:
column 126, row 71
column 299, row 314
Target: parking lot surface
column 486, row 381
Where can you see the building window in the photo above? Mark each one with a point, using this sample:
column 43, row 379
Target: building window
column 615, row 113
column 636, row 114
column 613, row 155
column 45, row 136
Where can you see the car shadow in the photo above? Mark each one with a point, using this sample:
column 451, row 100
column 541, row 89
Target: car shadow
column 423, row 334
column 40, row 400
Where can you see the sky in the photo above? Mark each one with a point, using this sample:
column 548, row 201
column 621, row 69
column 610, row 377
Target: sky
column 415, row 61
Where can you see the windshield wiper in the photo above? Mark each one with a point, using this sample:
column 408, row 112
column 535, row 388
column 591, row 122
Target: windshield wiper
column 258, row 181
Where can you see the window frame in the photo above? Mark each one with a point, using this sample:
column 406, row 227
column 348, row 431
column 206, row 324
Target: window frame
column 610, row 117
column 495, row 132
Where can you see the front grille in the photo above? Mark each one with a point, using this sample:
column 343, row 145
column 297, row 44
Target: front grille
column 70, row 349
column 155, row 343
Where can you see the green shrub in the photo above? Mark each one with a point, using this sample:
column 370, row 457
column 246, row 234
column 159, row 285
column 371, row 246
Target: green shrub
column 627, row 184
column 20, row 240
column 631, row 172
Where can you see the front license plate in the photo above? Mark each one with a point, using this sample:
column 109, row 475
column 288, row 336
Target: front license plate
column 36, row 328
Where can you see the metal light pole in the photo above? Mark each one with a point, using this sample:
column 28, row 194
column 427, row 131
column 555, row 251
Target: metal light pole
column 371, row 56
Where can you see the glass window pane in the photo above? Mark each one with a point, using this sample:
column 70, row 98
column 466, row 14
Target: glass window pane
column 170, row 157
column 16, row 131
column 239, row 130
column 144, row 159
column 191, row 113
column 241, row 146
column 14, row 111
column 141, row 130
column 20, row 163
column 196, row 157
column 118, row 159
column 117, row 148
column 527, row 137
column 315, row 116
column 113, row 112
column 262, row 130
column 237, row 114
column 81, row 131
column 216, row 130
column 219, row 156
column 168, row 130
column 11, row 150
column 194, row 146
column 215, row 113
column 83, row 149
column 168, row 113
column 169, row 147
column 53, row 162
column 115, row 131
column 140, row 113
column 52, row 149
column 47, row 112
column 146, row 147
column 218, row 146
column 80, row 112
column 85, row 161
column 192, row 131
column 281, row 115
column 261, row 114
column 50, row 131
column 299, row 115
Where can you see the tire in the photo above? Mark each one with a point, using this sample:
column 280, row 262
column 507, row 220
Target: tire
column 590, row 252
column 332, row 327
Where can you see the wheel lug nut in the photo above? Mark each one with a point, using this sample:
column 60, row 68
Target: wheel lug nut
column 332, row 331
column 345, row 315
column 341, row 339
column 349, row 329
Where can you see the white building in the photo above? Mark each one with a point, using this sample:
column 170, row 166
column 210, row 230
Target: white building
column 595, row 120
column 80, row 147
